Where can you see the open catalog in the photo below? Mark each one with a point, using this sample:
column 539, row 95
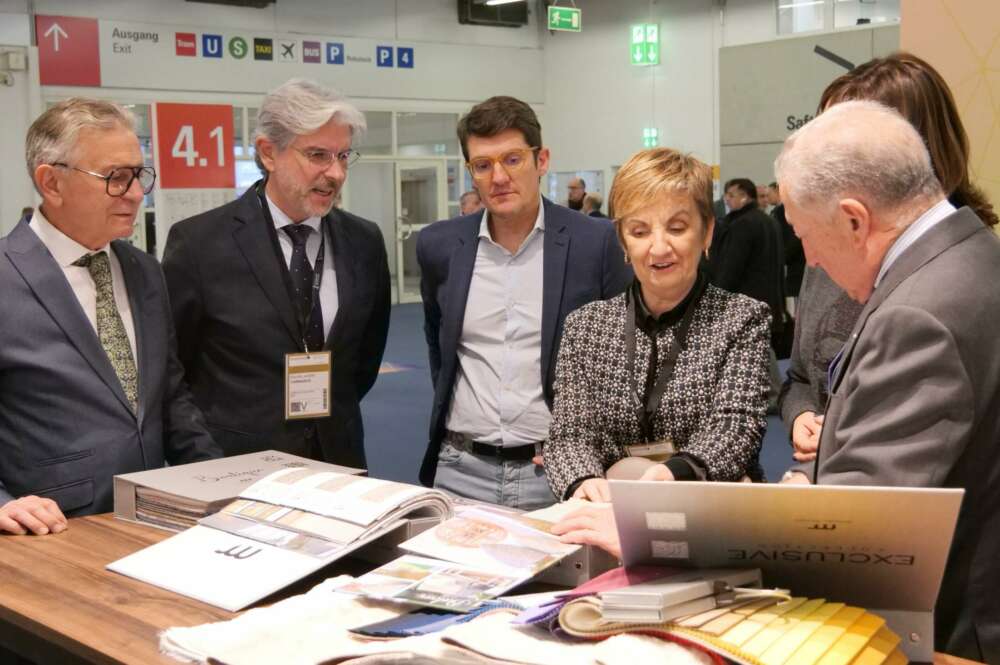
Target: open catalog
column 480, row 553
column 283, row 527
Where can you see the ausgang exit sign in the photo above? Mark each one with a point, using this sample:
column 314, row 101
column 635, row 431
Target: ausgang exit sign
column 644, row 48
column 564, row 18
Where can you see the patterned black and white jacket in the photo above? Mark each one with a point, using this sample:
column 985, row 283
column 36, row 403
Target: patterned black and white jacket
column 714, row 407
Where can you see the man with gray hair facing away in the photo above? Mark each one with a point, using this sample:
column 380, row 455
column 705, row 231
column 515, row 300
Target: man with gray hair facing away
column 915, row 392
column 281, row 300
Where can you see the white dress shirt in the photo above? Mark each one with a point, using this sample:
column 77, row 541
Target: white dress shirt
column 328, row 299
column 65, row 251
column 924, row 223
column 498, row 397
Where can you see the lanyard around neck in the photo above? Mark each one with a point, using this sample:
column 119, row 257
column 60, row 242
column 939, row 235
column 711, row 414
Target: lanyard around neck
column 647, row 405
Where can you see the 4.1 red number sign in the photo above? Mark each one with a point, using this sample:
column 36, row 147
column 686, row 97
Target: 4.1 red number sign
column 195, row 146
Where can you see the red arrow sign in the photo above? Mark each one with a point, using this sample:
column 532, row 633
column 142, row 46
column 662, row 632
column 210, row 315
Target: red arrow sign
column 68, row 50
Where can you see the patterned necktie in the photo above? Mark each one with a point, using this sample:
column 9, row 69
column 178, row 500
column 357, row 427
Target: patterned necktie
column 110, row 328
column 302, row 284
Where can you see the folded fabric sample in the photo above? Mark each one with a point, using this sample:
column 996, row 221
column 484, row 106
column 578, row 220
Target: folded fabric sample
column 313, row 629
column 762, row 631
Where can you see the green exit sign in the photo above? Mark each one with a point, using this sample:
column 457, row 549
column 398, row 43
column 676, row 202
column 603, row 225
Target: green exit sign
column 564, row 18
column 650, row 137
column 644, row 49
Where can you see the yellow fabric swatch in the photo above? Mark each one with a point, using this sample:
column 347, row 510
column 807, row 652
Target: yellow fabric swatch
column 774, row 630
column 782, row 650
column 853, row 640
column 825, row 636
column 737, row 635
column 877, row 651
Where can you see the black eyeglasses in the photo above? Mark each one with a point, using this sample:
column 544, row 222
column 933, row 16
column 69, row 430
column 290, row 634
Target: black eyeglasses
column 120, row 180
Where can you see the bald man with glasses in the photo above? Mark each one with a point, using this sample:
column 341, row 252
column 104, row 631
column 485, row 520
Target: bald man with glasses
column 90, row 384
column 497, row 286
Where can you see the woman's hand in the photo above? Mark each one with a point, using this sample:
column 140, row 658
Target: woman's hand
column 806, row 429
column 590, row 526
column 594, row 489
column 658, row 472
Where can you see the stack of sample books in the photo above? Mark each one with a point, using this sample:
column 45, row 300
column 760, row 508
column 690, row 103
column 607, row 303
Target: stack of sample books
column 176, row 497
column 281, row 528
column 682, row 594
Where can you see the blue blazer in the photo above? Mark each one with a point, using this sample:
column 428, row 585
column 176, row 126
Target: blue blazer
column 66, row 427
column 582, row 262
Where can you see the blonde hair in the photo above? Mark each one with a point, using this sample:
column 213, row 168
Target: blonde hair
column 651, row 174
column 52, row 136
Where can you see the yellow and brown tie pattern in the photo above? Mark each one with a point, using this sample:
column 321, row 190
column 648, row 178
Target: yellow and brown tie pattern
column 110, row 328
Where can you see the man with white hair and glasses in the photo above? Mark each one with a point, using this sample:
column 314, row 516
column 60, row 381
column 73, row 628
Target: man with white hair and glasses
column 915, row 392
column 90, row 384
column 281, row 299
column 497, row 286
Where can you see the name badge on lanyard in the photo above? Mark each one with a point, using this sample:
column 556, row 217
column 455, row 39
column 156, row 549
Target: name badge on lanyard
column 657, row 451
column 307, row 384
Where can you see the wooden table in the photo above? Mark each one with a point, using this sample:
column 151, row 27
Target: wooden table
column 59, row 605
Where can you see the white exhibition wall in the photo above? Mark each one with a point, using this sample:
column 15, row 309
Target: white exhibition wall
column 593, row 103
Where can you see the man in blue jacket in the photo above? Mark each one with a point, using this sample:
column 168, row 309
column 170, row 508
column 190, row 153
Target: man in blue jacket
column 492, row 333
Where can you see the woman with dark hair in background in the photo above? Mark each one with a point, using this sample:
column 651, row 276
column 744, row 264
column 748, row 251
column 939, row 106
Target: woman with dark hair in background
column 826, row 315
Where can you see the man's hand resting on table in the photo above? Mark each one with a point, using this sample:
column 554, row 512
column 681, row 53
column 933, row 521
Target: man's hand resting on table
column 31, row 514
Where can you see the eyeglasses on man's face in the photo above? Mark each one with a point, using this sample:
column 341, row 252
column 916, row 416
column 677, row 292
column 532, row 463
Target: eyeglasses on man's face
column 323, row 159
column 119, row 180
column 481, row 168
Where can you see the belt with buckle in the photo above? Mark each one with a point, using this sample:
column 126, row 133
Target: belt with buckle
column 523, row 452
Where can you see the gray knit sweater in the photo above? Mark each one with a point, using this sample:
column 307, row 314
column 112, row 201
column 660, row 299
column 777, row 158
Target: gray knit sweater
column 824, row 320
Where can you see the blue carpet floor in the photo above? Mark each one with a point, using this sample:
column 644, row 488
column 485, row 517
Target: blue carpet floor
column 397, row 410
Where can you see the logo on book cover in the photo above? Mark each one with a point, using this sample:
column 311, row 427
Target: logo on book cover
column 238, row 552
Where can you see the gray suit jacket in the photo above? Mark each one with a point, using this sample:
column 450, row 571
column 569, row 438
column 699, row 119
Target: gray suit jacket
column 65, row 424
column 916, row 402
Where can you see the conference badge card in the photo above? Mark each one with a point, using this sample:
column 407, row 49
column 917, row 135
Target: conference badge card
column 307, row 384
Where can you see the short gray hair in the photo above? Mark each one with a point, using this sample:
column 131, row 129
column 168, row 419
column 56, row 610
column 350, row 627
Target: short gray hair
column 300, row 106
column 52, row 136
column 859, row 149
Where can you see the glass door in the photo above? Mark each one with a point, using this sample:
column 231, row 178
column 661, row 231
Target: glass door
column 422, row 198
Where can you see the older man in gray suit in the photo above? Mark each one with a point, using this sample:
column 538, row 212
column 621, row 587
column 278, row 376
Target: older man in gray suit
column 915, row 393
column 90, row 384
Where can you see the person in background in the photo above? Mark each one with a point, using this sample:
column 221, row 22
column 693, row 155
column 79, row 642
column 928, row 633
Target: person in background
column 90, row 384
column 694, row 355
column 764, row 198
column 496, row 289
column 577, row 190
column 795, row 259
column 746, row 257
column 470, row 203
column 282, row 271
column 592, row 205
column 26, row 212
column 826, row 314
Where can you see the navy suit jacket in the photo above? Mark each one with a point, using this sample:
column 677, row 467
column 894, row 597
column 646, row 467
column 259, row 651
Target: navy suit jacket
column 582, row 262
column 236, row 321
column 66, row 427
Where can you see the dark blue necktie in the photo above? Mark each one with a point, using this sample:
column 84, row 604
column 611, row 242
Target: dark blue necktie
column 302, row 285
